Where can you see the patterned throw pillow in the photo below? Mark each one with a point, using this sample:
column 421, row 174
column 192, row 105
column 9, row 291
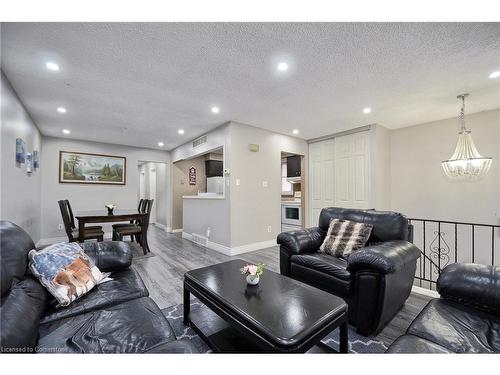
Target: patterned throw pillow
column 66, row 271
column 345, row 236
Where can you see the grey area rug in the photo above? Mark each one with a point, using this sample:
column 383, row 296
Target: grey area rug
column 357, row 343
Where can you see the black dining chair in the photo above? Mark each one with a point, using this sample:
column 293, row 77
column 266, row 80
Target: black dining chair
column 141, row 208
column 71, row 232
column 135, row 230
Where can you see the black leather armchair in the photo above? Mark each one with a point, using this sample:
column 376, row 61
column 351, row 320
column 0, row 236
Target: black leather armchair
column 114, row 317
column 375, row 281
column 466, row 319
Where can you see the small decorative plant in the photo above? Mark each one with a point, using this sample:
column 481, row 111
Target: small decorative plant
column 253, row 272
column 110, row 208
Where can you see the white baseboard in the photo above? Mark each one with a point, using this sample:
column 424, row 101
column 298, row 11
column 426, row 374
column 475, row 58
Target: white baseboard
column 425, row 292
column 232, row 251
column 164, row 227
column 252, row 247
column 176, row 230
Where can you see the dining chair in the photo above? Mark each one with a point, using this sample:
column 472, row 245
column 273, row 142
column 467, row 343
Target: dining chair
column 72, row 219
column 140, row 208
column 135, row 230
column 72, row 233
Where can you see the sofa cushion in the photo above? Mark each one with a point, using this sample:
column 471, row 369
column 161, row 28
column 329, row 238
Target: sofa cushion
column 328, row 264
column 15, row 245
column 457, row 327
column 409, row 344
column 124, row 286
column 134, row 326
column 20, row 316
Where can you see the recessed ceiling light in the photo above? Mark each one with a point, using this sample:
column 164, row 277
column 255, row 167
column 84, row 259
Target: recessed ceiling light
column 295, row 131
column 52, row 66
column 161, row 144
column 180, row 131
column 66, row 131
column 495, row 74
column 61, row 109
column 215, row 109
column 367, row 110
column 282, row 66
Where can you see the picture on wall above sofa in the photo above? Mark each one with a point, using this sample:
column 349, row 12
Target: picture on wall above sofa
column 85, row 168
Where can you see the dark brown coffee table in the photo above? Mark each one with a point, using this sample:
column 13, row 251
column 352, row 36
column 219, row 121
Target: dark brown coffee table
column 279, row 315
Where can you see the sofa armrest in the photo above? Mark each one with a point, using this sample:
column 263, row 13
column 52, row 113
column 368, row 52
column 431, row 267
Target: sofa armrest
column 472, row 284
column 301, row 241
column 109, row 255
column 385, row 258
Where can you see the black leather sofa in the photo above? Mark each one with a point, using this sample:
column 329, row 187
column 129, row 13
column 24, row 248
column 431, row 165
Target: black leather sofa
column 375, row 281
column 114, row 317
column 466, row 319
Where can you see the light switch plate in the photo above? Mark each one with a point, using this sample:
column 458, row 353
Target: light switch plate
column 237, row 182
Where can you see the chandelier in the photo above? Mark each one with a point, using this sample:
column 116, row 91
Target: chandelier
column 466, row 163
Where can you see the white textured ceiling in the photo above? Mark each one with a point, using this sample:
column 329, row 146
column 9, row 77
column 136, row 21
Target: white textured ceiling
column 137, row 83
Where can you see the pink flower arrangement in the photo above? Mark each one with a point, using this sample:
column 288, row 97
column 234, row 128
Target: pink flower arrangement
column 252, row 269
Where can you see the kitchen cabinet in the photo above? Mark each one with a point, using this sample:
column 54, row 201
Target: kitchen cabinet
column 293, row 166
column 214, row 168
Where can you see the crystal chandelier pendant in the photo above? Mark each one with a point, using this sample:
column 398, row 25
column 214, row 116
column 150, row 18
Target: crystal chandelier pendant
column 466, row 163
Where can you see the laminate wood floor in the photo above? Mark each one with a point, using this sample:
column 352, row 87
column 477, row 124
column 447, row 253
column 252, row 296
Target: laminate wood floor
column 173, row 256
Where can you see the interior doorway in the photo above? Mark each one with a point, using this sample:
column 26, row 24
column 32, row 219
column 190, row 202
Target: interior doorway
column 152, row 193
column 154, row 184
column 292, row 187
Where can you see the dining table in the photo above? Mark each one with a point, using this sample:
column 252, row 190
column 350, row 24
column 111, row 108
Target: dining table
column 118, row 215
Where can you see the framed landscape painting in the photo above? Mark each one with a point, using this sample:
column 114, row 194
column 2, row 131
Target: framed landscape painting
column 84, row 168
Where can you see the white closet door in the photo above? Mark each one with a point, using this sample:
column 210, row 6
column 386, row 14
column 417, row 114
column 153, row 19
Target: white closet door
column 352, row 156
column 321, row 174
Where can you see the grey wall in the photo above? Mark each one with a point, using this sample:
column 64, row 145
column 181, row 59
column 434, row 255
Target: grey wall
column 20, row 191
column 88, row 197
column 420, row 189
column 254, row 207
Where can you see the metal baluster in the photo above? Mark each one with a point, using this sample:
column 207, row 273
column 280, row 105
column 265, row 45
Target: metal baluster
column 492, row 246
column 424, row 246
column 439, row 247
column 473, row 230
column 456, row 243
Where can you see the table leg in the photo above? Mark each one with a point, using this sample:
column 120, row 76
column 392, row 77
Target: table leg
column 81, row 230
column 187, row 305
column 344, row 341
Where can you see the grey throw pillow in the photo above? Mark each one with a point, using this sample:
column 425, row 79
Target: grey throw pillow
column 344, row 237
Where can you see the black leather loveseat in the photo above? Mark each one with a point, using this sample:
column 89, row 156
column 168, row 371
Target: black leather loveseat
column 375, row 281
column 466, row 319
column 114, row 317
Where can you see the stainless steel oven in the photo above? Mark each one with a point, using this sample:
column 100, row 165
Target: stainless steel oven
column 291, row 214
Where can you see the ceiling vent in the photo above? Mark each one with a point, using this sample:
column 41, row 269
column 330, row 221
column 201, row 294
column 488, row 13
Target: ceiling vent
column 199, row 141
